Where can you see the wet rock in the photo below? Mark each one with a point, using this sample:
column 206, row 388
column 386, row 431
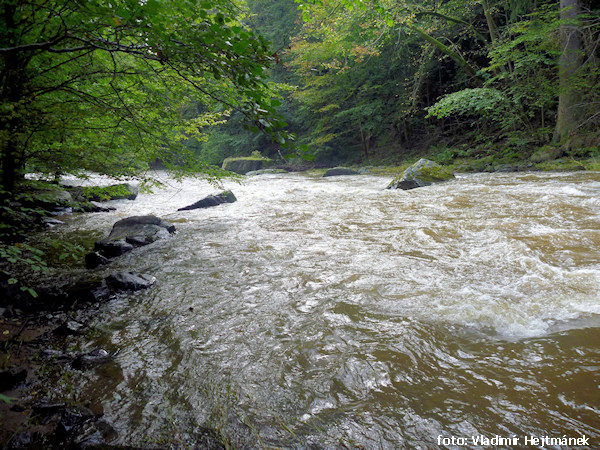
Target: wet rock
column 21, row 440
column 94, row 206
column 339, row 171
column 95, row 259
column 132, row 232
column 111, row 248
column 94, row 358
column 96, row 434
column 51, row 198
column 61, row 210
column 45, row 409
column 51, row 222
column 422, row 173
column 69, row 328
column 73, row 418
column 88, row 290
column 12, row 377
column 128, row 281
column 212, row 200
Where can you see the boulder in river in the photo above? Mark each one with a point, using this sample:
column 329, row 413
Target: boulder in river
column 96, row 357
column 243, row 165
column 422, row 173
column 129, row 281
column 338, row 171
column 95, row 259
column 212, row 200
column 135, row 231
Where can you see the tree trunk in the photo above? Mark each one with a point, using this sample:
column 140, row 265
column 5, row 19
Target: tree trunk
column 11, row 91
column 492, row 28
column 570, row 61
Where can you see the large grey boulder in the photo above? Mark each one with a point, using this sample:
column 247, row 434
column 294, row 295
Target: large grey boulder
column 132, row 232
column 339, row 171
column 212, row 200
column 422, row 173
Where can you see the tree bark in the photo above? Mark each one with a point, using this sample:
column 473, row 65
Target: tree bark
column 569, row 62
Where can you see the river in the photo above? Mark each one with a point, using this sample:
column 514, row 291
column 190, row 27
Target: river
column 332, row 313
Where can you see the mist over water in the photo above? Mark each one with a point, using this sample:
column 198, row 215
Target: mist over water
column 333, row 312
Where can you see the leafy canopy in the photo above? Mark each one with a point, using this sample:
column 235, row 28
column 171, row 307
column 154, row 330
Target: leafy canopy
column 107, row 85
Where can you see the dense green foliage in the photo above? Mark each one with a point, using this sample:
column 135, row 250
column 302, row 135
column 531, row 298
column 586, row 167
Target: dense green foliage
column 110, row 86
column 395, row 75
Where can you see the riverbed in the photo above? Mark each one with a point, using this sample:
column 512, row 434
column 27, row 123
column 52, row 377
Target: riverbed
column 331, row 312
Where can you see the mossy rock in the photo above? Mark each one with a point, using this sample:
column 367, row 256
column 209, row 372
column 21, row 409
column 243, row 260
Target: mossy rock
column 546, row 153
column 423, row 173
column 104, row 193
column 54, row 197
column 243, row 165
column 561, row 165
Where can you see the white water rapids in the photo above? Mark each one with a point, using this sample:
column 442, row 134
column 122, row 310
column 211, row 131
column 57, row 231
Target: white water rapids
column 330, row 312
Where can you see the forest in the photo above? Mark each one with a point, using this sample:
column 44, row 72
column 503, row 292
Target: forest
column 381, row 81
column 113, row 86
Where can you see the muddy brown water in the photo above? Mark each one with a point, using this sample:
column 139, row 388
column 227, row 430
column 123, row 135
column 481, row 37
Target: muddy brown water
column 330, row 312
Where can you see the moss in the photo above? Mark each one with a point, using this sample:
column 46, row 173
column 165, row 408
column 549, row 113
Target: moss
column 562, row 164
column 245, row 164
column 100, row 194
column 435, row 173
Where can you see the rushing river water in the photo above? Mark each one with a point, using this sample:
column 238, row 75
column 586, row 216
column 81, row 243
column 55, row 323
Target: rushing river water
column 332, row 313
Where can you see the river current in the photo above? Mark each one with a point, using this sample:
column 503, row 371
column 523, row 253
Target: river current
column 333, row 313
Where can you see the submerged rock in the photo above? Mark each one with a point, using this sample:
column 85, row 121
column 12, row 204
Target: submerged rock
column 128, row 281
column 73, row 418
column 94, row 358
column 212, row 200
column 95, row 434
column 422, row 173
column 338, row 171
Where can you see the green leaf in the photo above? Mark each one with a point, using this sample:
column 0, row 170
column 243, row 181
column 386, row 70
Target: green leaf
column 6, row 399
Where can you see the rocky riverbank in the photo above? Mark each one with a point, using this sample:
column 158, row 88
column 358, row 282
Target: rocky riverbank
column 44, row 338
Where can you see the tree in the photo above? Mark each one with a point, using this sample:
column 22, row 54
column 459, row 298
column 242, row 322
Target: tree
column 102, row 85
column 571, row 59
